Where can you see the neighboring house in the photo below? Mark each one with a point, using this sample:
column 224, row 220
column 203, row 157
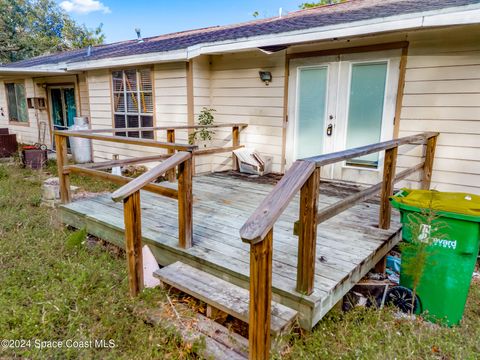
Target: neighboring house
column 343, row 75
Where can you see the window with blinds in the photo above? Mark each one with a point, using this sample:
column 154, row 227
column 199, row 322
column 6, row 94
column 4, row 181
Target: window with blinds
column 133, row 102
column 16, row 102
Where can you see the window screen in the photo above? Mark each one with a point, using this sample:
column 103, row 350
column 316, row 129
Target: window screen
column 133, row 102
column 17, row 103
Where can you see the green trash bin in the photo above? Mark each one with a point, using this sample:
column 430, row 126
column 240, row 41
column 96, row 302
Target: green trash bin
column 442, row 231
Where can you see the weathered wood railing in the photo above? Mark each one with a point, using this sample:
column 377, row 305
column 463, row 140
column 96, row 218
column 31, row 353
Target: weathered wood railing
column 304, row 176
column 178, row 156
column 130, row 195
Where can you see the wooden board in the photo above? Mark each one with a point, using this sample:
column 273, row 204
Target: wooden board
column 221, row 294
column 221, row 205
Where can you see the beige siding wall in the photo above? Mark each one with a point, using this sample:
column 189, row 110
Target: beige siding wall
column 442, row 93
column 170, row 108
column 203, row 98
column 84, row 109
column 33, row 131
column 238, row 95
column 26, row 132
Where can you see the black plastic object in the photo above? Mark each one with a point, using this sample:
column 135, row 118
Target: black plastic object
column 401, row 297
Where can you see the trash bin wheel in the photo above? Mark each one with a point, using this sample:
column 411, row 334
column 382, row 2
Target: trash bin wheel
column 401, row 297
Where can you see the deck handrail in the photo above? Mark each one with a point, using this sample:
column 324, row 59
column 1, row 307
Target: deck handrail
column 334, row 157
column 267, row 213
column 126, row 140
column 156, row 128
column 146, row 178
column 262, row 220
column 178, row 160
column 304, row 175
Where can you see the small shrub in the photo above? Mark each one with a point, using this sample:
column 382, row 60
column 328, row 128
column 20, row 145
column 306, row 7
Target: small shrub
column 204, row 118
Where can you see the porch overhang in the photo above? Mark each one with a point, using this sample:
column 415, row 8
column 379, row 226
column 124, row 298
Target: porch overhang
column 19, row 71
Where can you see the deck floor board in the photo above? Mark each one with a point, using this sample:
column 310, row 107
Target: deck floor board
column 348, row 245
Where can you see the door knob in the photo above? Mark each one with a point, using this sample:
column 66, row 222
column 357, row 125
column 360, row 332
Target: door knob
column 329, row 129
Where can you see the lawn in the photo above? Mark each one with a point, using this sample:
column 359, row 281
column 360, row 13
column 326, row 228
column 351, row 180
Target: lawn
column 55, row 290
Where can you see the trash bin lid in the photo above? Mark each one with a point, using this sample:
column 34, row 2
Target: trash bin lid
column 451, row 202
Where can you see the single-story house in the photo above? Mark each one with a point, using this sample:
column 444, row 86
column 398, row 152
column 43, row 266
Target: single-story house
column 307, row 82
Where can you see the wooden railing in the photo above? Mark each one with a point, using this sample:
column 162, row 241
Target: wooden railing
column 178, row 159
column 130, row 195
column 304, row 176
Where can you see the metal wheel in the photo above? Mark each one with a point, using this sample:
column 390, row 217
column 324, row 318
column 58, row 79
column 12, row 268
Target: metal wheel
column 402, row 298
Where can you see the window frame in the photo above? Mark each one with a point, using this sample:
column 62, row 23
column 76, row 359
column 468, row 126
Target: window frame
column 25, row 122
column 139, row 114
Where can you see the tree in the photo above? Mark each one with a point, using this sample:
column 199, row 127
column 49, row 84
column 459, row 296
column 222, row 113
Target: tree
column 30, row 28
column 309, row 5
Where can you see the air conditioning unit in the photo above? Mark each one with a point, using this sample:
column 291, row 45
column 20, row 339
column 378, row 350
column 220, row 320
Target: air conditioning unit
column 36, row 103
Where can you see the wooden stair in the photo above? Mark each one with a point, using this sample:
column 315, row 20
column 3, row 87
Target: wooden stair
column 221, row 294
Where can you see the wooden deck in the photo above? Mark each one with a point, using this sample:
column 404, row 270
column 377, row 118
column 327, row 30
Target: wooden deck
column 348, row 245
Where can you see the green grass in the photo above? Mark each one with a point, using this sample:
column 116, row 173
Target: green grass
column 51, row 291
column 54, row 287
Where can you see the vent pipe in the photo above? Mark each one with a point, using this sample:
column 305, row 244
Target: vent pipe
column 139, row 36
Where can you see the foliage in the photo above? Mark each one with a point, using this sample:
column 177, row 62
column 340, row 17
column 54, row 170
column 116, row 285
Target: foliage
column 30, row 28
column 425, row 227
column 50, row 291
column 308, row 5
column 368, row 333
column 204, row 118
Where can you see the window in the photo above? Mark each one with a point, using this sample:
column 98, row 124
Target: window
column 133, row 102
column 17, row 103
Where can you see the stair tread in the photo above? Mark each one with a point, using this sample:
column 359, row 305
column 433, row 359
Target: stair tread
column 221, row 294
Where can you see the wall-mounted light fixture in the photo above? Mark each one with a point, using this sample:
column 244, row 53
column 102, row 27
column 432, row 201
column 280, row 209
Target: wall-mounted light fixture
column 265, row 76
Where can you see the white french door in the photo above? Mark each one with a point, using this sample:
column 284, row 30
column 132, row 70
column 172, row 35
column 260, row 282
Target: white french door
column 342, row 102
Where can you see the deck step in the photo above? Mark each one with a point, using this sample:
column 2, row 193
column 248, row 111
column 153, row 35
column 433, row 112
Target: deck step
column 221, row 294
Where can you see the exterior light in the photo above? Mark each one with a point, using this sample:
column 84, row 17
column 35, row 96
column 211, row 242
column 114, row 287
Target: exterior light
column 265, row 76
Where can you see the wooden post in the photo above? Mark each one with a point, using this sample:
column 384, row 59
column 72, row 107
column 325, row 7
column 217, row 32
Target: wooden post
column 62, row 159
column 381, row 266
column 428, row 166
column 171, row 174
column 387, row 187
column 185, row 199
column 133, row 242
column 260, row 298
column 307, row 241
column 235, row 142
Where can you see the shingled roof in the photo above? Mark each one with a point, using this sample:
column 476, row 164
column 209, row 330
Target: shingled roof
column 328, row 15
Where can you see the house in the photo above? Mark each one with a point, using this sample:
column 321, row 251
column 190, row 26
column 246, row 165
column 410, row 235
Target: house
column 309, row 82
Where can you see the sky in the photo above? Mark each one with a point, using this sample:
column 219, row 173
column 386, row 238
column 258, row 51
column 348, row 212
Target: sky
column 121, row 17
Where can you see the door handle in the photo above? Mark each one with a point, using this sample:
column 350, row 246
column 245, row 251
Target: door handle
column 329, row 129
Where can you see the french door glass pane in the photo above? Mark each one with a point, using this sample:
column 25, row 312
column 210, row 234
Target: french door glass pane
column 57, row 108
column 70, row 107
column 365, row 111
column 311, row 111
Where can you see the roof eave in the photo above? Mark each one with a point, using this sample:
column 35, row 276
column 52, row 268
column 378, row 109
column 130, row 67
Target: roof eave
column 464, row 15
column 30, row 71
column 374, row 26
column 137, row 59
